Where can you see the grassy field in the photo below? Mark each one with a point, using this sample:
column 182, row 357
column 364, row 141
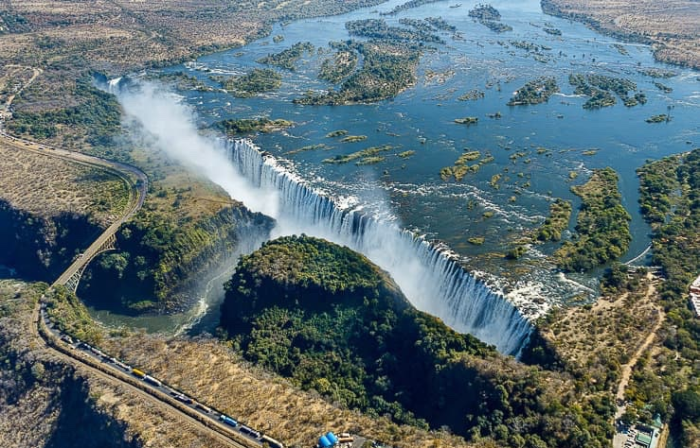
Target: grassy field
column 671, row 26
column 47, row 186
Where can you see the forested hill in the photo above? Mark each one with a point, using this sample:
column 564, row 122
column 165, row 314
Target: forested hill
column 328, row 319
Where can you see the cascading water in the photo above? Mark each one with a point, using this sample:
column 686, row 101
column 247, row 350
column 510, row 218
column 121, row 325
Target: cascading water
column 431, row 280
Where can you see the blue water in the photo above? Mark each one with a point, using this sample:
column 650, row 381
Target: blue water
column 421, row 119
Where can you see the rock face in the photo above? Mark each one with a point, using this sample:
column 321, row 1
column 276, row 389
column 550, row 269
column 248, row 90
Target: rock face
column 157, row 264
column 38, row 247
column 43, row 401
column 330, row 320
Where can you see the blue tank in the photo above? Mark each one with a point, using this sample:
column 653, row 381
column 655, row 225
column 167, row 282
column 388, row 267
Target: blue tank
column 331, row 438
column 323, row 442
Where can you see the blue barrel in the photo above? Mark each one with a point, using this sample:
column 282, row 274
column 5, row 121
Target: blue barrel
column 323, row 442
column 331, row 438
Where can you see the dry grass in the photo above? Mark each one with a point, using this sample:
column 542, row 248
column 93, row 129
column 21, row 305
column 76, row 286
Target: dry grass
column 600, row 339
column 673, row 25
column 211, row 372
column 48, row 186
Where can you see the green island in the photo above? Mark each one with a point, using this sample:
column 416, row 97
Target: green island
column 660, row 118
column 662, row 87
column 420, row 25
column 489, row 16
column 555, row 223
column 408, row 5
column 259, row 80
column 288, row 58
column 621, row 49
column 670, row 204
column 467, row 120
column 182, row 81
column 552, row 31
column 338, row 133
column 353, row 139
column 367, row 156
column 330, row 321
column 471, row 95
column 602, row 225
column 441, row 24
column 461, row 167
column 308, row 148
column 534, row 92
column 339, row 66
column 600, row 89
column 277, row 38
column 657, row 73
column 245, row 126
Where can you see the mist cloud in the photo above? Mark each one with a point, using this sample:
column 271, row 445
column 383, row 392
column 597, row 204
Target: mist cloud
column 170, row 125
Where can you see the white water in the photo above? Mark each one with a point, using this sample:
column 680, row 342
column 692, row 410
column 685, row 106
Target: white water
column 431, row 280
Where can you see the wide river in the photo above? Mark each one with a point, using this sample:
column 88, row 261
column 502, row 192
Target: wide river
column 539, row 151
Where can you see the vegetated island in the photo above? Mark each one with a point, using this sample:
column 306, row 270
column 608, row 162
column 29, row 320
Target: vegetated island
column 247, row 126
column 408, row 5
column 288, row 58
column 669, row 202
column 461, row 166
column 490, row 17
column 600, row 89
column 602, row 225
column 340, row 65
column 329, row 320
column 389, row 63
column 534, row 92
column 556, row 222
column 259, row 80
column 369, row 156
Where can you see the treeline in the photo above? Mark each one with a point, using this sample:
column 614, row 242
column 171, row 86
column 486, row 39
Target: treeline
column 602, row 226
column 248, row 85
column 534, row 92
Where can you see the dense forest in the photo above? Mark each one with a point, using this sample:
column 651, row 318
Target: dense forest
column 331, row 321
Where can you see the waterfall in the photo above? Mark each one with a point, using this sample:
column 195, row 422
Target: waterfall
column 430, row 278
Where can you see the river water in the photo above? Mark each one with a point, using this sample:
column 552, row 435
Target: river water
column 410, row 190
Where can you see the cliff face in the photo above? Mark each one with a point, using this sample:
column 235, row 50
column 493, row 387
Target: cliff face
column 39, row 247
column 44, row 402
column 158, row 261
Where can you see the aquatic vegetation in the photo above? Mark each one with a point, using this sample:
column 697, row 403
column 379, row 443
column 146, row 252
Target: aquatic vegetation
column 308, row 148
column 472, row 95
column 534, row 92
column 621, row 49
column 353, row 139
column 338, row 133
column 661, row 118
column 552, row 31
column 663, row 88
column 406, row 154
column 494, row 181
column 441, row 24
column 366, row 155
column 476, row 240
column 278, row 38
column 467, row 120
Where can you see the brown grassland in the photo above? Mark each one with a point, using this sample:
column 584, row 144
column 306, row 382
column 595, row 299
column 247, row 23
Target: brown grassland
column 671, row 26
column 46, row 186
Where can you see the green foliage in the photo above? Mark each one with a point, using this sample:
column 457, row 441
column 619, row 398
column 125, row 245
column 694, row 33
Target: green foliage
column 335, row 69
column 602, row 225
column 600, row 89
column 287, row 59
column 259, row 80
column 670, row 202
column 556, row 223
column 99, row 113
column 365, row 155
column 243, row 126
column 534, row 92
